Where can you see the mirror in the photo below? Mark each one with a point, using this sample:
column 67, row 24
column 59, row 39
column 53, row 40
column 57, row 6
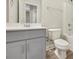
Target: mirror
column 18, row 11
column 30, row 13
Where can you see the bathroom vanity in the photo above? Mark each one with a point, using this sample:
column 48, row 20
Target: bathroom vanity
column 25, row 43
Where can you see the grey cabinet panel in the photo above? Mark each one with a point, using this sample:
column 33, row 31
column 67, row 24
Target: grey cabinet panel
column 36, row 48
column 20, row 35
column 16, row 50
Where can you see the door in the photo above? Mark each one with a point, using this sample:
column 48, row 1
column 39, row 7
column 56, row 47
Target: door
column 16, row 50
column 36, row 48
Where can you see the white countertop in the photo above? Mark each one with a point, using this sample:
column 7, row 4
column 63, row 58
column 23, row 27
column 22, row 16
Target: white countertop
column 18, row 26
column 23, row 28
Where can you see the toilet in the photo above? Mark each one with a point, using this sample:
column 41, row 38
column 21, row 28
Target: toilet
column 61, row 45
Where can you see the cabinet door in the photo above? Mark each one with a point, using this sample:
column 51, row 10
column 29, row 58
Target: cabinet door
column 15, row 50
column 36, row 48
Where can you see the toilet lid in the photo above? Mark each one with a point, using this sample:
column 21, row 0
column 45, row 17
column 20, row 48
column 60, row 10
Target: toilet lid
column 61, row 42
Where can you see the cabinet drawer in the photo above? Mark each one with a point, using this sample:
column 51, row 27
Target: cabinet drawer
column 25, row 34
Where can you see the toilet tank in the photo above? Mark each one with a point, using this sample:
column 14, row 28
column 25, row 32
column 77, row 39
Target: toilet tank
column 54, row 33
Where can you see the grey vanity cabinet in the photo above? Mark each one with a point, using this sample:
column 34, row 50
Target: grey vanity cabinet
column 16, row 50
column 26, row 44
column 36, row 48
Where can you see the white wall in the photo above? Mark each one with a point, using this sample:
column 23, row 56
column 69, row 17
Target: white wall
column 22, row 16
column 12, row 11
column 67, row 17
column 52, row 13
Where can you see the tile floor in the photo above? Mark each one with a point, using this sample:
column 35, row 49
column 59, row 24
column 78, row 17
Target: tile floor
column 51, row 55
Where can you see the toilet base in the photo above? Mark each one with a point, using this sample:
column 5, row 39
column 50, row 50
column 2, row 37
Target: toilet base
column 61, row 54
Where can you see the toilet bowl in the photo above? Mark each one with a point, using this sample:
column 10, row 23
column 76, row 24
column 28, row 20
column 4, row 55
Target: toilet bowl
column 61, row 45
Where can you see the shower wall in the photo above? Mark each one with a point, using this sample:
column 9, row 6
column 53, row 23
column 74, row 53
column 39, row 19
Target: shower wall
column 67, row 22
column 52, row 13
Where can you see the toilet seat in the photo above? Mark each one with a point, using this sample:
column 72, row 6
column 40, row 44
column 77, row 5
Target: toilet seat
column 61, row 44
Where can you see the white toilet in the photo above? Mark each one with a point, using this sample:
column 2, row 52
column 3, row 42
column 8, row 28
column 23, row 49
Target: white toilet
column 60, row 44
